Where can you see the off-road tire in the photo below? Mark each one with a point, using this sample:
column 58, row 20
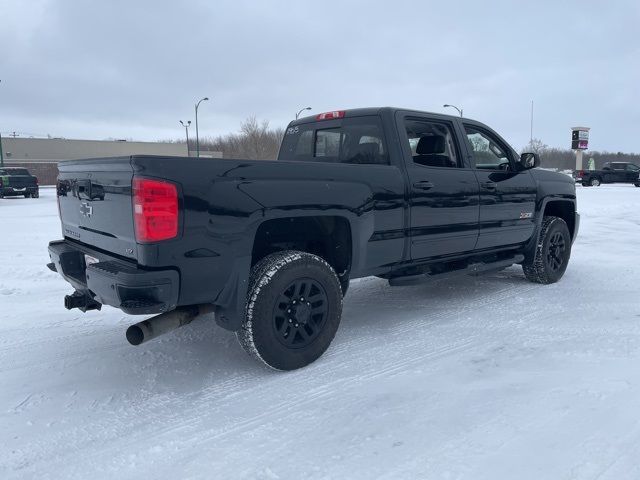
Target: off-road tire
column 264, row 336
column 544, row 266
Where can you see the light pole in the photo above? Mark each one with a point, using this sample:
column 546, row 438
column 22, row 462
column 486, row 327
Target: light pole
column 531, row 131
column 186, row 131
column 453, row 106
column 302, row 110
column 197, row 135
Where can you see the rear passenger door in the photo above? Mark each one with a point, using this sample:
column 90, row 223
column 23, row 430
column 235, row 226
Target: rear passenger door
column 507, row 195
column 619, row 172
column 443, row 190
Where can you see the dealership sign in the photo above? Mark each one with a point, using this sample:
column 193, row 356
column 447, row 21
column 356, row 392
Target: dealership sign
column 580, row 138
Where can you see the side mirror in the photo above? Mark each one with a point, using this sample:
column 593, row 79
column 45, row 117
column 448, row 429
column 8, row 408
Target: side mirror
column 529, row 160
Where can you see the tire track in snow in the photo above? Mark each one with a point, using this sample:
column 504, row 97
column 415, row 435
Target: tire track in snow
column 349, row 351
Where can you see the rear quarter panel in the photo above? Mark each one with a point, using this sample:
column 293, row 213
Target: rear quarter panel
column 225, row 201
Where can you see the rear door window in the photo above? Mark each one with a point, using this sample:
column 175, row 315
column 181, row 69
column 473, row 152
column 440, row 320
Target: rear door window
column 432, row 143
column 350, row 140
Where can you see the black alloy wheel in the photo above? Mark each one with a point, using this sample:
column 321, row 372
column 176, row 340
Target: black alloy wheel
column 555, row 257
column 300, row 313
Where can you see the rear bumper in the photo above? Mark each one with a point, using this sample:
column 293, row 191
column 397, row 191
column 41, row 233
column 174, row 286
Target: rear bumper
column 114, row 282
column 10, row 191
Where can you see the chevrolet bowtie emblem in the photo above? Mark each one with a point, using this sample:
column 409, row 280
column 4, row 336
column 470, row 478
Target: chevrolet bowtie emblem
column 85, row 209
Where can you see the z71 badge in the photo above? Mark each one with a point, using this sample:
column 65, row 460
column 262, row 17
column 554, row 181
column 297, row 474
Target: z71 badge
column 526, row 215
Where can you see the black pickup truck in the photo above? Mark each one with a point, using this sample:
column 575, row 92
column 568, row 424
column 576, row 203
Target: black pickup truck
column 18, row 181
column 270, row 246
column 612, row 172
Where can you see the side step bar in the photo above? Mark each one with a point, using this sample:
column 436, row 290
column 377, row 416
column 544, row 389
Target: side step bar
column 471, row 269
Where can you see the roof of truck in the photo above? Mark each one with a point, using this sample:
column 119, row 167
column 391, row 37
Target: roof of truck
column 359, row 112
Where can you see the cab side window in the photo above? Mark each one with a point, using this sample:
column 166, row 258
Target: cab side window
column 488, row 153
column 355, row 140
column 432, row 144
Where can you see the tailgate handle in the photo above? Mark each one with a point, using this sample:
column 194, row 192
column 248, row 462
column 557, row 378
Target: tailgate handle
column 424, row 185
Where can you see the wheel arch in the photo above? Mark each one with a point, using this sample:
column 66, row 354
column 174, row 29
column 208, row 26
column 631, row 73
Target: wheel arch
column 328, row 236
column 563, row 207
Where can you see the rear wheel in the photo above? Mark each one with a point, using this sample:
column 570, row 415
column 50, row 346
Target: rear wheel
column 595, row 182
column 293, row 310
column 552, row 252
column 35, row 194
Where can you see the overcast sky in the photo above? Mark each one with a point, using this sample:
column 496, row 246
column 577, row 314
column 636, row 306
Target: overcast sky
column 132, row 69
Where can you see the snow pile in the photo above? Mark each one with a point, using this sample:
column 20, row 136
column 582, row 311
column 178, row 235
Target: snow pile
column 478, row 378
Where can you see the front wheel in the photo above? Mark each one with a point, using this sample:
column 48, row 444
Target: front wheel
column 35, row 194
column 552, row 252
column 293, row 310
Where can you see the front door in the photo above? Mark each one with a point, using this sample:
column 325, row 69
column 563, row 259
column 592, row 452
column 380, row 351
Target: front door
column 632, row 172
column 443, row 191
column 507, row 195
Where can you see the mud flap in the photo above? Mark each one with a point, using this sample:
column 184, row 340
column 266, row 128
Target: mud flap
column 231, row 303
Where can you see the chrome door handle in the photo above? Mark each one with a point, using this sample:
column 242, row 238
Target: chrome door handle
column 489, row 185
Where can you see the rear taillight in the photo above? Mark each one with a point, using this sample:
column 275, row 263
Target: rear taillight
column 37, row 181
column 330, row 115
column 155, row 210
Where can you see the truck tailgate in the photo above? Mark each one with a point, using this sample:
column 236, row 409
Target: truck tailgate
column 21, row 181
column 94, row 198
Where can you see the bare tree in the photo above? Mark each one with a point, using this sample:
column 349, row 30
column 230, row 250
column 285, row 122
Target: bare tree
column 536, row 146
column 255, row 141
column 565, row 159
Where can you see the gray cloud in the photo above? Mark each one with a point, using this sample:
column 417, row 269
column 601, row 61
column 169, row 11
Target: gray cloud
column 96, row 69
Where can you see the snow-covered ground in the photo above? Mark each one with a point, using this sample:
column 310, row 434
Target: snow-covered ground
column 477, row 378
